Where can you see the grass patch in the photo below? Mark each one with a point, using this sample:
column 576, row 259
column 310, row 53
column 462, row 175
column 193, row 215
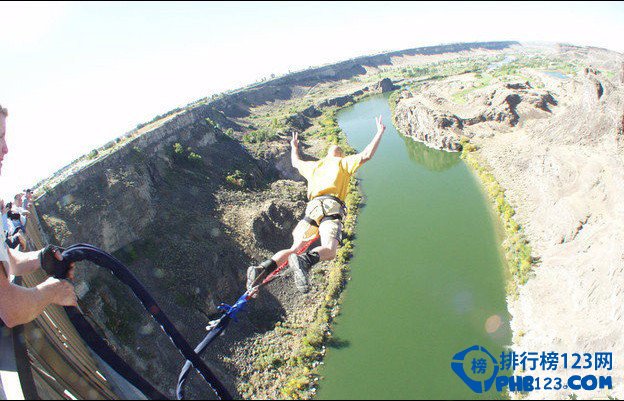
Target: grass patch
column 259, row 136
column 460, row 97
column 237, row 179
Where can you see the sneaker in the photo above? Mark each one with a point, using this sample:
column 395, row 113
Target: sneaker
column 300, row 268
column 252, row 274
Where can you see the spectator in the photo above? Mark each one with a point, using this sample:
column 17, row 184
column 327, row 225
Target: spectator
column 20, row 305
column 14, row 219
column 27, row 199
column 12, row 238
column 7, row 225
column 18, row 214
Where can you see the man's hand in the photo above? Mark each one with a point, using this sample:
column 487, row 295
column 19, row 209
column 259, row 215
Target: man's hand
column 371, row 148
column 51, row 260
column 380, row 126
column 59, row 292
column 294, row 142
column 72, row 265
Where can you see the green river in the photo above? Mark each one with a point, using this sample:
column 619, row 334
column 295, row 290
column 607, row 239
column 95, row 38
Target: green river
column 428, row 278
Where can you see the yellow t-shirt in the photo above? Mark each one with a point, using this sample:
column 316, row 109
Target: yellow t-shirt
column 330, row 176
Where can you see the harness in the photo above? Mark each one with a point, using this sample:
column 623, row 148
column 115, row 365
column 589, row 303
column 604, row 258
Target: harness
column 326, row 217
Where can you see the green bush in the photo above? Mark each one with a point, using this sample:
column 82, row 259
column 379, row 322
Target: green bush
column 259, row 136
column 292, row 388
column 237, row 179
column 194, row 157
column 93, row 154
column 177, row 148
column 186, row 158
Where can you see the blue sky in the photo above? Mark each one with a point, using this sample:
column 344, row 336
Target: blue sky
column 75, row 75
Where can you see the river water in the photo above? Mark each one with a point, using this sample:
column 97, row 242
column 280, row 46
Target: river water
column 427, row 276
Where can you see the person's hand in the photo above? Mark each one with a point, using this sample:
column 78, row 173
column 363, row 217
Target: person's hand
column 253, row 293
column 294, row 142
column 51, row 260
column 380, row 126
column 59, row 292
column 72, row 265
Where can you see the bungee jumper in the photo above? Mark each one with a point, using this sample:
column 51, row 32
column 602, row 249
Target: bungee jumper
column 328, row 182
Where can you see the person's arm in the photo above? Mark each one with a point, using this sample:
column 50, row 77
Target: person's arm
column 22, row 263
column 20, row 305
column 370, row 150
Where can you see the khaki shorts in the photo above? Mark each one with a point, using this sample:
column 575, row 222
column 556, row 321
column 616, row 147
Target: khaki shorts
column 316, row 210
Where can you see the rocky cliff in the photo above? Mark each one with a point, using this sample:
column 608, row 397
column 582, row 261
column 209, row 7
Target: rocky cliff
column 424, row 115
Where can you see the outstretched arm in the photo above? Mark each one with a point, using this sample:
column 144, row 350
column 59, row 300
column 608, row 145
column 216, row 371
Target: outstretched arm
column 370, row 150
column 22, row 263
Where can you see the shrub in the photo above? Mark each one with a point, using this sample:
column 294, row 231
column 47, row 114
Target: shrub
column 93, row 154
column 295, row 385
column 194, row 157
column 177, row 148
column 259, row 136
column 211, row 122
column 237, row 179
column 187, row 158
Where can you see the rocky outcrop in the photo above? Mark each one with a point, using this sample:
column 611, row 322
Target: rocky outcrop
column 298, row 122
column 337, row 101
column 518, row 85
column 423, row 117
column 385, row 85
column 593, row 86
column 311, row 112
column 424, row 124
